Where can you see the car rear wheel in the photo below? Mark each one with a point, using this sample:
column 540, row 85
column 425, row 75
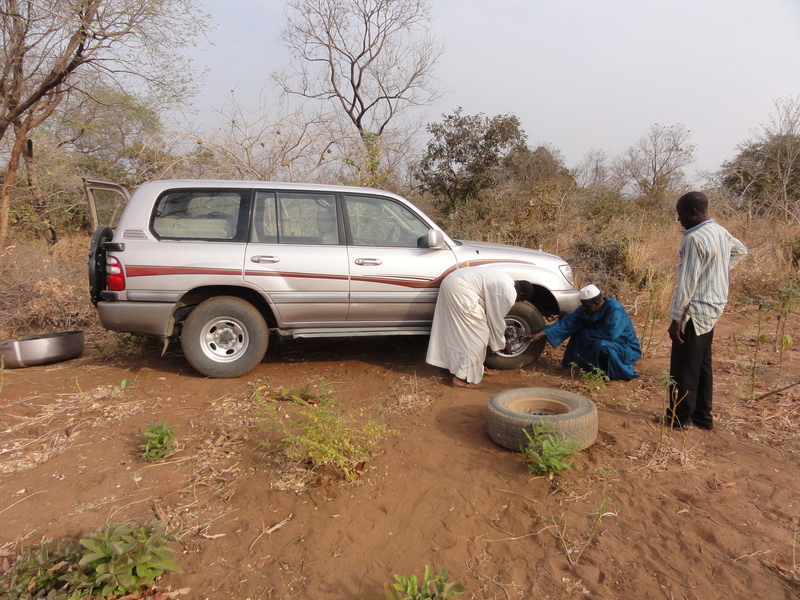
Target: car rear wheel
column 522, row 320
column 225, row 337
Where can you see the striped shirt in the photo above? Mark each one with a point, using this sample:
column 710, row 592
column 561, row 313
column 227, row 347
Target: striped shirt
column 707, row 253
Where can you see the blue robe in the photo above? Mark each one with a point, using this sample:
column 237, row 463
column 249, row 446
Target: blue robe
column 604, row 339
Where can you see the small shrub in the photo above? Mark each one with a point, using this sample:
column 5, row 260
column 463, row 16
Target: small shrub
column 434, row 587
column 157, row 441
column 594, row 379
column 546, row 452
column 113, row 561
column 315, row 429
column 122, row 559
column 40, row 571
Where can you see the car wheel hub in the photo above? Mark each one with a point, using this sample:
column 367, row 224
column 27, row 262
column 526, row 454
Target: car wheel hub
column 515, row 329
column 225, row 339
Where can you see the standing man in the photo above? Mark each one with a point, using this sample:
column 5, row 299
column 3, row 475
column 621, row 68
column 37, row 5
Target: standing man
column 470, row 315
column 601, row 336
column 706, row 255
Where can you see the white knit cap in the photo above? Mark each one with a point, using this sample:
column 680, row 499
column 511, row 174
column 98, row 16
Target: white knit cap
column 589, row 292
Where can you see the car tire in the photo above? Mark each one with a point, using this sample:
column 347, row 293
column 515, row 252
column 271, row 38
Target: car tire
column 97, row 262
column 509, row 412
column 523, row 319
column 225, row 337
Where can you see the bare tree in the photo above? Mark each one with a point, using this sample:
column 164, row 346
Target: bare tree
column 51, row 46
column 593, row 170
column 372, row 59
column 765, row 174
column 268, row 143
column 654, row 166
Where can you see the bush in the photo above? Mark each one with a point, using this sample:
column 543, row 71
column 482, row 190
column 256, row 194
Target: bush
column 45, row 288
column 434, row 587
column 546, row 452
column 315, row 429
column 114, row 560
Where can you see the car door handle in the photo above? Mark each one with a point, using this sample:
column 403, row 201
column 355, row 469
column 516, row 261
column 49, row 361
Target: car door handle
column 263, row 259
column 368, row 262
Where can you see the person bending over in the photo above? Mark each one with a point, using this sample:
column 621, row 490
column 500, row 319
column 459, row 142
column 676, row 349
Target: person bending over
column 469, row 317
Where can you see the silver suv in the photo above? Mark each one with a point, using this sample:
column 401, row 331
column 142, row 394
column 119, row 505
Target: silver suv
column 221, row 263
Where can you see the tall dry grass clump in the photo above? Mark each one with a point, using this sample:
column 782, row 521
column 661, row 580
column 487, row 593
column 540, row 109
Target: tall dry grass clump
column 45, row 288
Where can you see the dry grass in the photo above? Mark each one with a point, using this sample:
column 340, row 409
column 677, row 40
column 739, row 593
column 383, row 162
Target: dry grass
column 48, row 428
column 45, row 288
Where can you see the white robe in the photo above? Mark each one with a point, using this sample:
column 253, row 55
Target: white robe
column 470, row 315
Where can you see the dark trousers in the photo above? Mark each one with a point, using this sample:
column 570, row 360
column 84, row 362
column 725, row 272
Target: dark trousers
column 690, row 369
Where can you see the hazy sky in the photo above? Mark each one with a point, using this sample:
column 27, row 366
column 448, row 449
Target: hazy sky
column 579, row 74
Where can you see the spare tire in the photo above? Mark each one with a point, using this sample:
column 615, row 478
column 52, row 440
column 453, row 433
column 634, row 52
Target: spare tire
column 97, row 262
column 572, row 416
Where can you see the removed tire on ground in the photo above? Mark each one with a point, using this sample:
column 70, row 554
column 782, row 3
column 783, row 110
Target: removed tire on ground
column 572, row 416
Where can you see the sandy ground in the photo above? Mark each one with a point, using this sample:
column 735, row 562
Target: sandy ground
column 650, row 513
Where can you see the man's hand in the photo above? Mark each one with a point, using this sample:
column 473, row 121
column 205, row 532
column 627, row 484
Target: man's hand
column 532, row 338
column 675, row 332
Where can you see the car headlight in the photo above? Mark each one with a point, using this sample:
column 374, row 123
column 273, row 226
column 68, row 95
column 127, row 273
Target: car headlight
column 566, row 271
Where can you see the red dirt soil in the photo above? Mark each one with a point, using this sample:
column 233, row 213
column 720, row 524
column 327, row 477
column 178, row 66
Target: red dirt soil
column 651, row 513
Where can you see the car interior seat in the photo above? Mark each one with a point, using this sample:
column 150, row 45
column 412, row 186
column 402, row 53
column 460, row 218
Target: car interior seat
column 326, row 224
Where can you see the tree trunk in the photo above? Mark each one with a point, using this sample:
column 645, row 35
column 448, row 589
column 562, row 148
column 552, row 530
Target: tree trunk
column 8, row 184
column 46, row 231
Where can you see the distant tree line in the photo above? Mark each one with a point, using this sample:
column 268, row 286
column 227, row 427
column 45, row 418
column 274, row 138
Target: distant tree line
column 85, row 88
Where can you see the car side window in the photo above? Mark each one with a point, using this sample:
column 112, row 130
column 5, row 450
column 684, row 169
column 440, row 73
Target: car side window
column 307, row 218
column 378, row 221
column 264, row 228
column 209, row 215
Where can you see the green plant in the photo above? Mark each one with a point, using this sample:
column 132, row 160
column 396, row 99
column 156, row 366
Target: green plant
column 121, row 559
column 39, row 572
column 558, row 527
column 788, row 300
column 594, row 379
column 113, row 561
column 125, row 383
column 546, row 452
column 434, row 587
column 157, row 441
column 315, row 429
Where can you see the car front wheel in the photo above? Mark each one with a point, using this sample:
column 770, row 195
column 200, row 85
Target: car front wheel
column 524, row 319
column 225, row 337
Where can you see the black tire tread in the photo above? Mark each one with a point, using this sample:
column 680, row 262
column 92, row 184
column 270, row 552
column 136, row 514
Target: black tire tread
column 528, row 312
column 231, row 306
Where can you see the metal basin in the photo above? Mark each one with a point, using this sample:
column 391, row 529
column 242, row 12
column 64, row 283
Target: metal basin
column 42, row 349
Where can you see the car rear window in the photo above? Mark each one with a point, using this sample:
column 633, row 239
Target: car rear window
column 211, row 215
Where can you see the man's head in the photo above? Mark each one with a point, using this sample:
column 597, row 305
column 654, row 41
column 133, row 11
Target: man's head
column 524, row 290
column 591, row 298
column 692, row 209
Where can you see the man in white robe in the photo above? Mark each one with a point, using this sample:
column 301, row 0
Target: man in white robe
column 470, row 315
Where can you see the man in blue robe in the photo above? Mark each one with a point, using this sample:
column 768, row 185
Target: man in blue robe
column 601, row 335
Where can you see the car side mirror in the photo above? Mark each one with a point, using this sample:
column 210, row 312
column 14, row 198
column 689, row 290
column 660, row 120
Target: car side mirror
column 434, row 240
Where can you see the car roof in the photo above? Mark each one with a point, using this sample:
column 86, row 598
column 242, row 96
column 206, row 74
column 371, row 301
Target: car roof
column 160, row 185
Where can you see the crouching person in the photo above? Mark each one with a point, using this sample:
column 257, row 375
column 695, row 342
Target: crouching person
column 601, row 336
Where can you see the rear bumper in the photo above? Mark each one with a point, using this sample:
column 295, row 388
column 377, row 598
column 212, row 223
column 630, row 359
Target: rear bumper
column 141, row 318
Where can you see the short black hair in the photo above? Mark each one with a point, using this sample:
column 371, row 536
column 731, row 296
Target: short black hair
column 695, row 200
column 524, row 289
